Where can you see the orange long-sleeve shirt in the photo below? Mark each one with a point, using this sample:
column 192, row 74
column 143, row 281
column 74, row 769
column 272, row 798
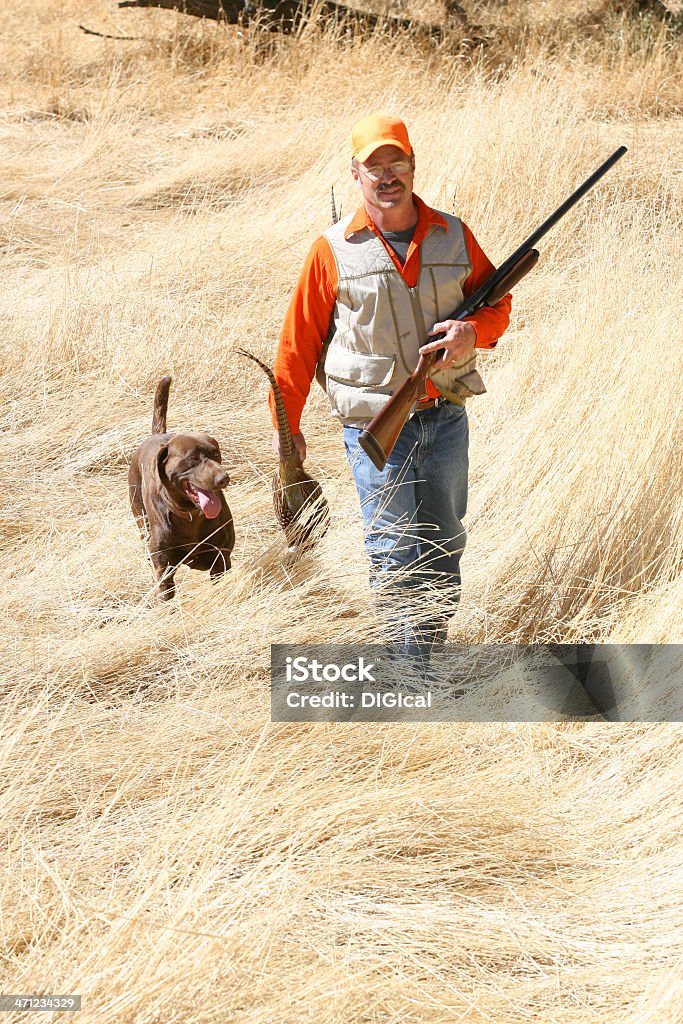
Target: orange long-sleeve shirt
column 310, row 310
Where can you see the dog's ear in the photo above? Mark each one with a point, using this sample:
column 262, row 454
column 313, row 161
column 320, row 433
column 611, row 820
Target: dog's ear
column 162, row 455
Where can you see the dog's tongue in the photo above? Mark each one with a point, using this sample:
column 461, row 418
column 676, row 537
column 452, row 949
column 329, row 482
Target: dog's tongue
column 209, row 503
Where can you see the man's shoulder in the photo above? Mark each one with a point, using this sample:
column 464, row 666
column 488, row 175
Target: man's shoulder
column 430, row 217
column 355, row 223
column 337, row 232
column 450, row 218
column 440, row 218
column 319, row 254
column 319, row 260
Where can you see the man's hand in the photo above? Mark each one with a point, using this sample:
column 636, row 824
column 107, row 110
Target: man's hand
column 459, row 341
column 299, row 444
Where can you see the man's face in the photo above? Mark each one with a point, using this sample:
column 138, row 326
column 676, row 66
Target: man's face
column 391, row 191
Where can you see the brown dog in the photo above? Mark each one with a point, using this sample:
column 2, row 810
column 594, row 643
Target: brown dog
column 175, row 484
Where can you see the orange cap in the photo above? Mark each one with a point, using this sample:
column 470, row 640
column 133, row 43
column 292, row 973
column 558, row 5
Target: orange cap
column 378, row 130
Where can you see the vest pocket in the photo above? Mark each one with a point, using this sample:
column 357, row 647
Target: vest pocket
column 359, row 369
column 460, row 381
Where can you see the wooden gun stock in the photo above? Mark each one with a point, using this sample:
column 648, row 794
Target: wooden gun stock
column 380, row 435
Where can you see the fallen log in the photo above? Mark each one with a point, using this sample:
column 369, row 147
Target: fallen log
column 287, row 15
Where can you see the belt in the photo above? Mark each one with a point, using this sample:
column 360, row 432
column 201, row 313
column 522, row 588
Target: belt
column 431, row 403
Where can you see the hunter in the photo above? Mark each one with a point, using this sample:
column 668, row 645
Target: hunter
column 373, row 288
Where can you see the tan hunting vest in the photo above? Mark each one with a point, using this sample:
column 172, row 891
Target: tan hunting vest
column 379, row 323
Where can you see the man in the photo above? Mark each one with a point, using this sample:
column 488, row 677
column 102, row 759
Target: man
column 372, row 289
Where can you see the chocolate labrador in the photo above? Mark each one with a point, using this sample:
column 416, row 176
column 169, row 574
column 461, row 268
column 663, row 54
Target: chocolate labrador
column 175, row 484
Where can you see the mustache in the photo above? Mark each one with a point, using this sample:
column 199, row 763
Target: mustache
column 390, row 185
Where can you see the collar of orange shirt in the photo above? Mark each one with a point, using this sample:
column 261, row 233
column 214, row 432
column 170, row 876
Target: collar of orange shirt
column 427, row 218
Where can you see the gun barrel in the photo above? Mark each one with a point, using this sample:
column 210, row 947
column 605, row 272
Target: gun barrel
column 479, row 298
column 564, row 207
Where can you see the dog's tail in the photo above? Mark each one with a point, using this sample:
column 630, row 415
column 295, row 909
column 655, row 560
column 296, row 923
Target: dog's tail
column 161, row 406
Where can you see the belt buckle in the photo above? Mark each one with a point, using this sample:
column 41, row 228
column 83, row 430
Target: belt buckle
column 431, row 403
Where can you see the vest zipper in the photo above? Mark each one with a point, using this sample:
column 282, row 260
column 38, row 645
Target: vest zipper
column 418, row 314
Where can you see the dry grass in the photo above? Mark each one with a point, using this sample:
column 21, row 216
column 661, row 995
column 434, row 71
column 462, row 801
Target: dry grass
column 169, row 853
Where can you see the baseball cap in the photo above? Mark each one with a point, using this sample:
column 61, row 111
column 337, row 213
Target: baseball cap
column 377, row 130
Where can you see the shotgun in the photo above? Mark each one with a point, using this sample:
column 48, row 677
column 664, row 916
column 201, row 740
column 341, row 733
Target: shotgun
column 379, row 437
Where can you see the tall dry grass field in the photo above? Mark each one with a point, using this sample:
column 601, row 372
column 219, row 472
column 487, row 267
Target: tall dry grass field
column 169, row 853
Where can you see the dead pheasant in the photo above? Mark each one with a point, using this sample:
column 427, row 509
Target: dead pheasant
column 300, row 505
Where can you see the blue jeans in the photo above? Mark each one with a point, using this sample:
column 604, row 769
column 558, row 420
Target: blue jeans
column 414, row 536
